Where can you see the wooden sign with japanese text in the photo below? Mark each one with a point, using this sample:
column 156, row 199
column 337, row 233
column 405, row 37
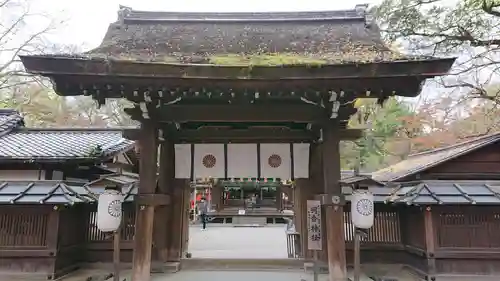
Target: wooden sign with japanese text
column 314, row 238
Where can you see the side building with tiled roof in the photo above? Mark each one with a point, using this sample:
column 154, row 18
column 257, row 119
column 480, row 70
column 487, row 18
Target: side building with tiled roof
column 49, row 183
column 448, row 203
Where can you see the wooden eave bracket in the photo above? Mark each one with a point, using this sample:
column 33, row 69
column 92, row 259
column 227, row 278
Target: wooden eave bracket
column 152, row 199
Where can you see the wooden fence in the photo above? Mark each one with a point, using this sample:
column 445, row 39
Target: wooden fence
column 126, row 232
column 464, row 239
column 386, row 228
column 23, row 229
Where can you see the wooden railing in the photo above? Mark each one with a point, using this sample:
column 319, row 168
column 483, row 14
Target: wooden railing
column 386, row 228
column 23, row 229
column 476, row 228
column 293, row 244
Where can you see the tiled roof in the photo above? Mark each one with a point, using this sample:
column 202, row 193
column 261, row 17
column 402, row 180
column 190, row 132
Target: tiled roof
column 62, row 144
column 127, row 181
column 41, row 192
column 129, row 191
column 422, row 161
column 18, row 143
column 436, row 192
column 349, row 177
column 59, row 192
column 9, row 120
column 447, row 192
column 380, row 194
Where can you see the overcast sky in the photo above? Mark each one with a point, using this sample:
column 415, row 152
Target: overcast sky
column 87, row 20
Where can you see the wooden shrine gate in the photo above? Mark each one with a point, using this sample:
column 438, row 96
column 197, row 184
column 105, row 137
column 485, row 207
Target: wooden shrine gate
column 188, row 83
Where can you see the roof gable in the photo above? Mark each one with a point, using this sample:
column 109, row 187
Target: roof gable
column 420, row 162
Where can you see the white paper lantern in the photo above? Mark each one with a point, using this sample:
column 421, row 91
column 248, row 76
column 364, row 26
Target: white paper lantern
column 109, row 211
column 362, row 209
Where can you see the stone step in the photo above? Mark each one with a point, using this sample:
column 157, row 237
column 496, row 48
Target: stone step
column 249, row 220
column 242, row 264
column 362, row 277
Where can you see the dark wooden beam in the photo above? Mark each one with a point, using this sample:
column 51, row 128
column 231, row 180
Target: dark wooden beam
column 46, row 65
column 24, row 254
column 199, row 89
column 261, row 134
column 451, row 177
column 250, row 135
column 131, row 133
column 247, row 113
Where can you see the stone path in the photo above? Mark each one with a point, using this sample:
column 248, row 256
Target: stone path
column 233, row 243
column 236, row 276
column 224, row 242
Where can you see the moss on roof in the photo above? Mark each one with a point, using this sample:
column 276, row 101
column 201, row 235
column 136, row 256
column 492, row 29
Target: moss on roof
column 265, row 59
column 349, row 54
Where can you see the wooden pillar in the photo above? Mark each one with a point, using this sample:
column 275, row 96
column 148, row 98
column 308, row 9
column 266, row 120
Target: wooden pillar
column 177, row 219
column 279, row 198
column 162, row 213
column 309, row 189
column 52, row 237
column 299, row 210
column 53, row 229
column 217, row 196
column 303, row 195
column 143, row 239
column 430, row 241
column 185, row 219
column 334, row 213
column 316, row 187
column 288, row 191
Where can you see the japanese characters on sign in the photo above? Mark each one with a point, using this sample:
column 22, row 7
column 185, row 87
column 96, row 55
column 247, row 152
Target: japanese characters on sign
column 314, row 225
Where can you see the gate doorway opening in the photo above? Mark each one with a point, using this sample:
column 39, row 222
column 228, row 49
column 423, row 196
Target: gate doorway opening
column 245, row 218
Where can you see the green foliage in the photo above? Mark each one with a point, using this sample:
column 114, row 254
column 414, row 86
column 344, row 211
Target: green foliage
column 382, row 124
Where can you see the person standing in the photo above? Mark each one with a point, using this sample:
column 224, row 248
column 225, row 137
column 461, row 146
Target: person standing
column 253, row 201
column 203, row 209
